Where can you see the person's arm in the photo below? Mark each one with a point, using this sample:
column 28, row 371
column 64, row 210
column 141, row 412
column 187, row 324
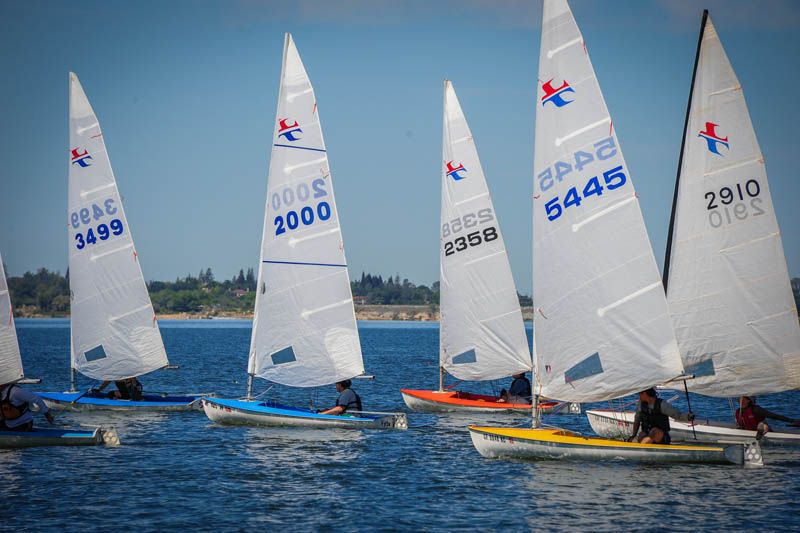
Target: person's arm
column 22, row 395
column 636, row 418
column 760, row 412
column 334, row 411
column 671, row 412
column 103, row 386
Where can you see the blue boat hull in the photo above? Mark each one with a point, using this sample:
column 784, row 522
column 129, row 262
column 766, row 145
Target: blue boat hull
column 149, row 402
column 273, row 414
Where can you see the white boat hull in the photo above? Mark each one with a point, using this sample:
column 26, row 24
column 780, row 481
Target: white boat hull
column 619, row 425
column 262, row 414
column 58, row 437
column 564, row 445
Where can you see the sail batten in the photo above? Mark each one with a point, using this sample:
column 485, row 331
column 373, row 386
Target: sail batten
column 304, row 327
column 728, row 284
column 482, row 334
column 113, row 330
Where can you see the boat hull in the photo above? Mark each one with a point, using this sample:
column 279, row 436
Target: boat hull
column 58, row 437
column 619, row 425
column 465, row 402
column 560, row 444
column 272, row 414
column 57, row 401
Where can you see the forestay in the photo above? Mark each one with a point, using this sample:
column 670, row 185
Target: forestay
column 601, row 322
column 10, row 360
column 728, row 285
column 482, row 334
column 114, row 330
column 304, row 327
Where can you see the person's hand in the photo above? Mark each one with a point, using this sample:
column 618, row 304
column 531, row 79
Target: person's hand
column 691, row 417
column 631, row 438
column 50, row 418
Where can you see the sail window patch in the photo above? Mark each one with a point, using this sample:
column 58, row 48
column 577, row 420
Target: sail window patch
column 283, row 356
column 466, row 357
column 95, row 353
column 590, row 366
column 701, row 369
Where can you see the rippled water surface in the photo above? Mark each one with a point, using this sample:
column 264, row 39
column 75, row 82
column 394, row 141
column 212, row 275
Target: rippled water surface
column 181, row 471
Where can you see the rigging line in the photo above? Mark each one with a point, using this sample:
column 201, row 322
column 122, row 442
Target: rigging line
column 300, row 147
column 306, row 264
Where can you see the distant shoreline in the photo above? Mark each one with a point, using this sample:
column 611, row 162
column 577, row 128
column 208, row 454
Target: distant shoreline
column 411, row 313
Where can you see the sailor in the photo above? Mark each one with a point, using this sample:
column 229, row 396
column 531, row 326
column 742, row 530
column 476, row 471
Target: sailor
column 348, row 399
column 752, row 417
column 127, row 389
column 653, row 414
column 15, row 408
column 519, row 392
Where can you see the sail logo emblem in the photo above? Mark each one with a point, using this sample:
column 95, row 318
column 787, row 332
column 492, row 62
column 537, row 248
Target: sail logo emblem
column 713, row 139
column 289, row 131
column 81, row 159
column 556, row 95
column 453, row 171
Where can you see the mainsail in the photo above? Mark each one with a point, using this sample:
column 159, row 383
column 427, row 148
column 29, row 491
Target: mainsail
column 728, row 286
column 482, row 335
column 304, row 327
column 10, row 359
column 114, row 330
column 601, row 323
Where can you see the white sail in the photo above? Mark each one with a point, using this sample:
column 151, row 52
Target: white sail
column 10, row 359
column 304, row 327
column 114, row 329
column 728, row 286
column 481, row 335
column 601, row 323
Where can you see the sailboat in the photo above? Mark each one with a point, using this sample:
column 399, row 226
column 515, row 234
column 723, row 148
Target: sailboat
column 304, row 325
column 481, row 332
column 725, row 272
column 601, row 325
column 11, row 372
column 114, row 332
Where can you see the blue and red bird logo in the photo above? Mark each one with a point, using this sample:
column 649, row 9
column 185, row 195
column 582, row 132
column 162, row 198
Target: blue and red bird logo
column 289, row 131
column 556, row 95
column 81, row 159
column 453, row 171
column 713, row 139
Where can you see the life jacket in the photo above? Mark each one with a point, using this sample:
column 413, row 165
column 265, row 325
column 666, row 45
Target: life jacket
column 524, row 389
column 746, row 419
column 129, row 391
column 653, row 418
column 354, row 404
column 9, row 410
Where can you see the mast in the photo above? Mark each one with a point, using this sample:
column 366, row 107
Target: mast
column 668, row 253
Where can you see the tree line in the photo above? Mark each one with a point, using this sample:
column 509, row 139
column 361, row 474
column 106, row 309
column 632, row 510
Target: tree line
column 47, row 293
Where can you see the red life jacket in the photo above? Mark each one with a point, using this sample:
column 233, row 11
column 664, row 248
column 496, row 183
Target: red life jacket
column 746, row 419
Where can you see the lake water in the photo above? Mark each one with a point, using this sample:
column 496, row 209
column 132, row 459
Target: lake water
column 180, row 471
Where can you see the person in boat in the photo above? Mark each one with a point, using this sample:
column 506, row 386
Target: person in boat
column 753, row 417
column 347, row 400
column 15, row 408
column 127, row 389
column 519, row 392
column 652, row 417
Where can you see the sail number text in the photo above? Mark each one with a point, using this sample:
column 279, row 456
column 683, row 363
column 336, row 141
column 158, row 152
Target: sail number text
column 86, row 215
column 719, row 203
column 102, row 232
column 459, row 244
column 605, row 150
column 470, row 220
column 614, row 179
column 305, row 215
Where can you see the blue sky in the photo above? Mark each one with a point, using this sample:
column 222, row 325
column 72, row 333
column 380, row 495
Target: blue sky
column 186, row 92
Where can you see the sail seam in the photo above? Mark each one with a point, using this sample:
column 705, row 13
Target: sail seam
column 306, row 264
column 748, row 243
column 301, row 148
column 307, row 313
column 479, row 259
column 560, row 140
column 477, row 196
column 726, row 90
column 131, row 312
column 489, row 319
column 554, row 51
column 769, row 317
column 294, row 241
column 80, row 131
column 84, row 194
